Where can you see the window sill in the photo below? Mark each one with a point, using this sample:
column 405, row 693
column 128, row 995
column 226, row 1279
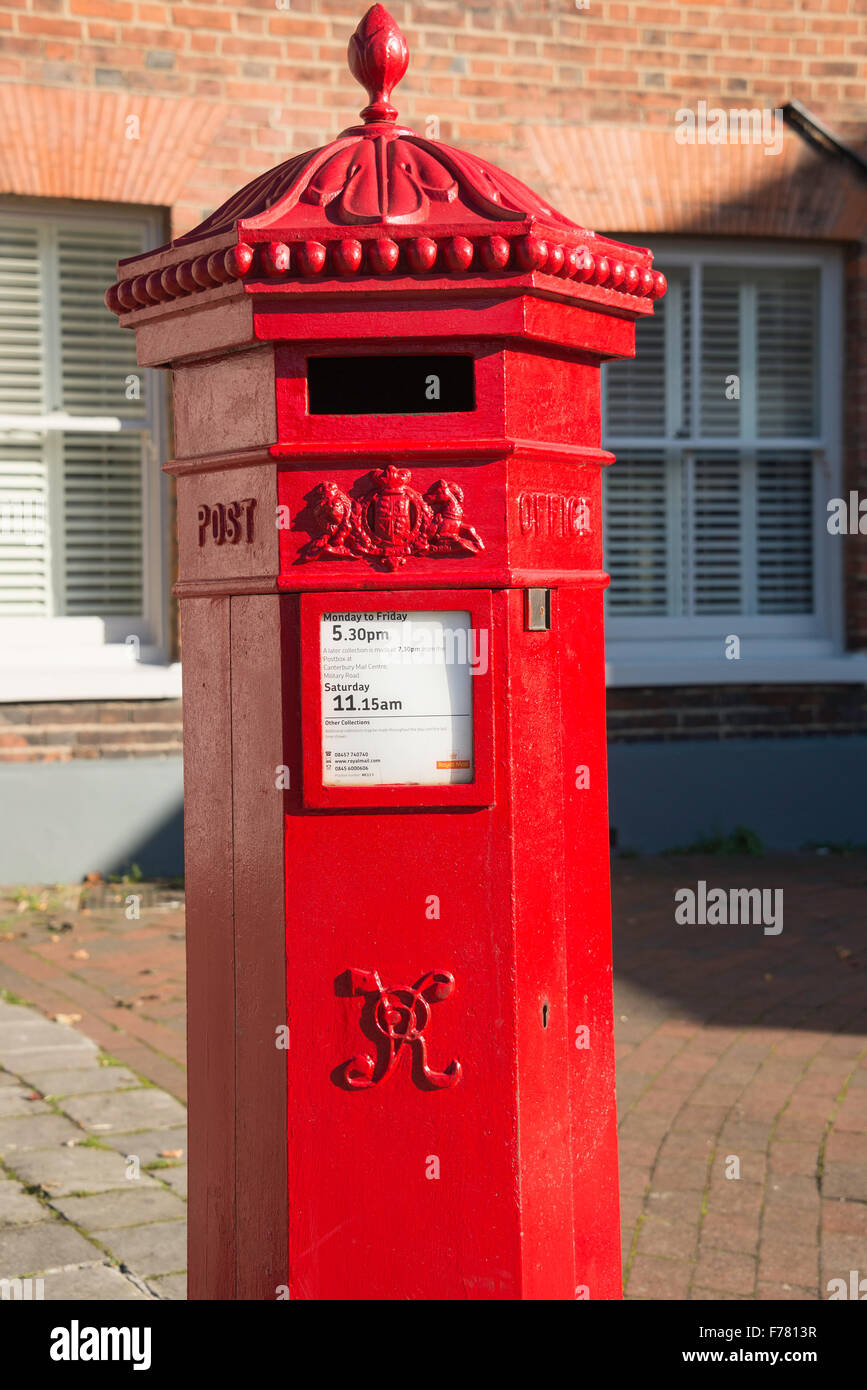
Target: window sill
column 132, row 680
column 848, row 668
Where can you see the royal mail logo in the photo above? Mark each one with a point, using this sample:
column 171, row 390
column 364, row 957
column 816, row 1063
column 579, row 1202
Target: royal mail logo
column 388, row 521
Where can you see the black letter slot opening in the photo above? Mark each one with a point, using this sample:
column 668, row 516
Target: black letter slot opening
column 390, row 385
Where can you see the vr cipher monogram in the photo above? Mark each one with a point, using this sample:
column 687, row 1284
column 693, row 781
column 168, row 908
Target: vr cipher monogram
column 399, row 1014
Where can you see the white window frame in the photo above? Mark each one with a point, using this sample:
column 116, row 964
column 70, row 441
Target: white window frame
column 92, row 658
column 681, row 651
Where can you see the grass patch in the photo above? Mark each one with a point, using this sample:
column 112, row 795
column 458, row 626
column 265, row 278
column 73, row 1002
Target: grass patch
column 8, row 996
column 741, row 840
column 105, row 1059
column 92, row 1142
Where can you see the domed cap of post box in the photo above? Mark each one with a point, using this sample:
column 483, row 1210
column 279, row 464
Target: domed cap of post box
column 382, row 206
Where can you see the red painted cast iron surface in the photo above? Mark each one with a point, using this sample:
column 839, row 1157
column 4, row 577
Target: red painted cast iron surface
column 401, row 1045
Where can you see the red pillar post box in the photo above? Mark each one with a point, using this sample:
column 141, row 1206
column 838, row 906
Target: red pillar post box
column 385, row 356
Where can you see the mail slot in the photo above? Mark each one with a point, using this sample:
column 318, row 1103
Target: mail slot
column 390, row 385
column 385, row 357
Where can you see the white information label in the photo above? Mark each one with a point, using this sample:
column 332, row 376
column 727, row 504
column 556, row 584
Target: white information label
column 397, row 700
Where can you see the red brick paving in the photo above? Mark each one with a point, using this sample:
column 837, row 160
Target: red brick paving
column 731, row 1045
column 128, row 962
column 736, row 1045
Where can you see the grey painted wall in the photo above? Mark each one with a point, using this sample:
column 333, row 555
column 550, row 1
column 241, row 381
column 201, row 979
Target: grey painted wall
column 60, row 821
column 790, row 791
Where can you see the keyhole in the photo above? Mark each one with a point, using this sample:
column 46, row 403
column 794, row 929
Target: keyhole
column 544, row 1015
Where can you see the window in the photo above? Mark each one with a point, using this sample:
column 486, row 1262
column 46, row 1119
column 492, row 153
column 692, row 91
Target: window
column 81, row 501
column 726, row 432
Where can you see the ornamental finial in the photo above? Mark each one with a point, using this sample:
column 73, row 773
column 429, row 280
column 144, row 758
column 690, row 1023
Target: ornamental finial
column 378, row 59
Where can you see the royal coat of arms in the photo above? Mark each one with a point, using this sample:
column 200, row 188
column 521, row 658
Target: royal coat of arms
column 389, row 521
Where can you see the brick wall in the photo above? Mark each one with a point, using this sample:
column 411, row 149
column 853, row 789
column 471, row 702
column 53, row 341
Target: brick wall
column 57, row 733
column 485, row 70
column 735, row 711
column 153, row 728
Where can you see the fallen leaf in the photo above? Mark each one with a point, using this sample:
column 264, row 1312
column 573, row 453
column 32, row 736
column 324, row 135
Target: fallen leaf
column 66, row 1019
column 81, row 955
column 170, row 1153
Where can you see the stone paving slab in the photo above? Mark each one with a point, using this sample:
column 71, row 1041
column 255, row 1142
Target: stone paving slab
column 41, row 1036
column 123, row 1111
column 15, row 1013
column 173, row 1286
column 29, row 1065
column 17, row 1207
column 47, row 1245
column 16, row 1100
column 60, row 1172
column 95, row 1283
column 110, row 1210
column 160, row 1248
column 17, row 1134
column 150, row 1145
column 79, row 1187
column 175, row 1178
column 82, row 1081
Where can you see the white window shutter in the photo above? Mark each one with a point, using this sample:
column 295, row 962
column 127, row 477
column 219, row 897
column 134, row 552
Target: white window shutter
column 636, row 521
column 635, row 390
column 24, row 568
column 713, row 521
column 70, row 503
column 102, row 524
column 102, row 473
column 722, row 310
column 712, row 525
column 787, row 333
column 648, row 395
column 784, row 525
column 24, row 573
column 95, row 359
